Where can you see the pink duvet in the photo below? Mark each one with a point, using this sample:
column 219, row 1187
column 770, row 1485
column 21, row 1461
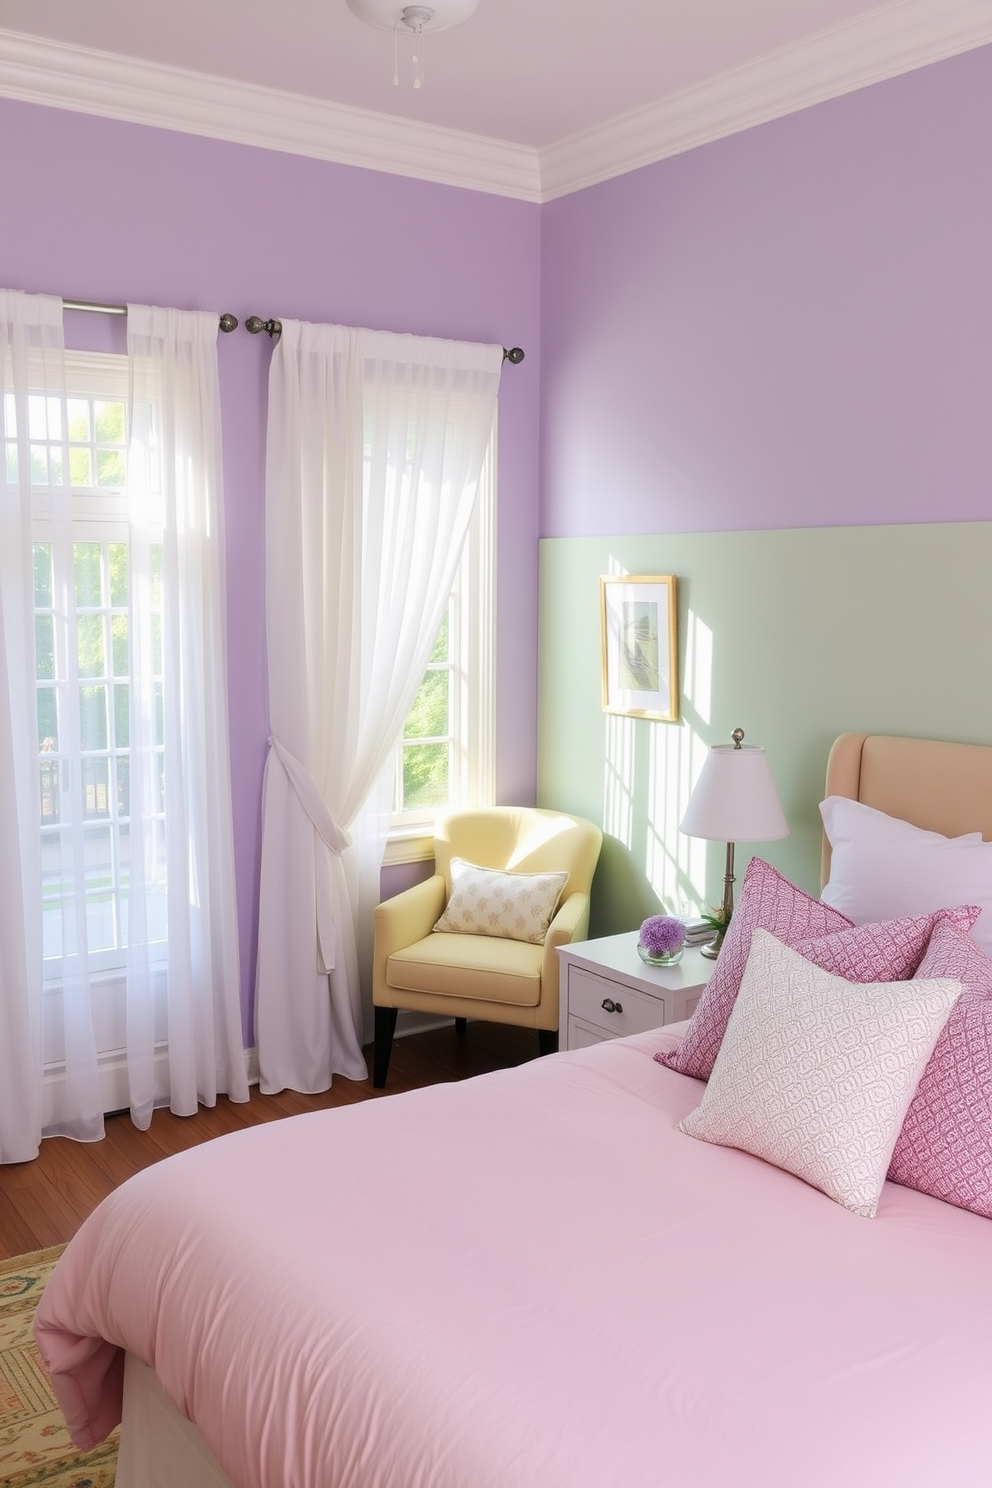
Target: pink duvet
column 531, row 1280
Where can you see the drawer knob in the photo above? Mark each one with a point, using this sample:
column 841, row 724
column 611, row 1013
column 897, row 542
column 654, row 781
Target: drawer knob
column 609, row 1006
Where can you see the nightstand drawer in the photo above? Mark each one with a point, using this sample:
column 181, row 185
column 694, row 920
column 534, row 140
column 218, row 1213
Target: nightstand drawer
column 611, row 1006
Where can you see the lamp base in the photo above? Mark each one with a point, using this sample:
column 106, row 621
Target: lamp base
column 712, row 948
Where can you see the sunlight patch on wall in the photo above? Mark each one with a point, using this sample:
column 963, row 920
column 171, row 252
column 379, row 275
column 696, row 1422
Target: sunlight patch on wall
column 618, row 795
column 658, row 764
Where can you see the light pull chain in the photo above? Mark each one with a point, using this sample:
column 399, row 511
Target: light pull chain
column 396, row 56
column 419, row 54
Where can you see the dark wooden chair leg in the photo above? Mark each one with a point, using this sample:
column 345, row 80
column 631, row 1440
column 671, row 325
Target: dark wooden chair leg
column 547, row 1041
column 385, row 1027
column 460, row 1025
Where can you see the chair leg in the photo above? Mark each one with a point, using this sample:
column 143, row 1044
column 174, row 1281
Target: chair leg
column 385, row 1027
column 547, row 1041
column 460, row 1025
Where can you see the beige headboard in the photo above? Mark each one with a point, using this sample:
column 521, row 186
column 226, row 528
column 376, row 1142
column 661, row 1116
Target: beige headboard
column 941, row 787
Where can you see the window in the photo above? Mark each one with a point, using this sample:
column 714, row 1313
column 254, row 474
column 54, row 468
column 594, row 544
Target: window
column 446, row 756
column 82, row 570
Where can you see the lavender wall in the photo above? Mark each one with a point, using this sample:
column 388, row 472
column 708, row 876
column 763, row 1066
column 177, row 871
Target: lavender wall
column 790, row 327
column 97, row 210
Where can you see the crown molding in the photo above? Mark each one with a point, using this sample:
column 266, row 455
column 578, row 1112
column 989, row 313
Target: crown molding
column 899, row 38
column 92, row 82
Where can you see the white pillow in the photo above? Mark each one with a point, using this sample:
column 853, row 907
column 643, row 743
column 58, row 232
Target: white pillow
column 815, row 1074
column 882, row 868
column 488, row 901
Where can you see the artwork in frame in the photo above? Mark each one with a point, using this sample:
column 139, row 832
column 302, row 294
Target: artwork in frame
column 640, row 646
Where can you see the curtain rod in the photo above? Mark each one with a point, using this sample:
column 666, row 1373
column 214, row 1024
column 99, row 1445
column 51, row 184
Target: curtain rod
column 254, row 324
column 227, row 322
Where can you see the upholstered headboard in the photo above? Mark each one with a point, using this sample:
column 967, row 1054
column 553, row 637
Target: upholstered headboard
column 941, row 787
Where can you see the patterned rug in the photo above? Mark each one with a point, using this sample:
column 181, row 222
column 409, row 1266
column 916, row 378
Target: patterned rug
column 35, row 1449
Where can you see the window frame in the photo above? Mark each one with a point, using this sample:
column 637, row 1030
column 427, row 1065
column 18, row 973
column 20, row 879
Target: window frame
column 98, row 514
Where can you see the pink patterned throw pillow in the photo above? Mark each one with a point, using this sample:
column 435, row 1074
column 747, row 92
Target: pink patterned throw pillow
column 945, row 1145
column 767, row 901
column 815, row 1073
column 887, row 951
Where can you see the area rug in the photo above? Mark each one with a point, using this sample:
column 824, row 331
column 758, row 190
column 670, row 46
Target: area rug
column 35, row 1448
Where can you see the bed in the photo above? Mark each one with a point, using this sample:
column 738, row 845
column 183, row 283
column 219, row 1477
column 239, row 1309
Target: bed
column 537, row 1279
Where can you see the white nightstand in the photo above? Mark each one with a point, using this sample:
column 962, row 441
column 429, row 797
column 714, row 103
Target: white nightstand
column 607, row 991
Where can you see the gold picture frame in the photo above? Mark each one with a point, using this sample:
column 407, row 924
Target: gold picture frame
column 640, row 646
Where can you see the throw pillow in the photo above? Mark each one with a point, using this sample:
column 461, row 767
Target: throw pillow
column 815, row 1073
column 945, row 1146
column 881, row 867
column 489, row 901
column 771, row 901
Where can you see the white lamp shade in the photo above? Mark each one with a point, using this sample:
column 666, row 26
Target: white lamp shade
column 735, row 799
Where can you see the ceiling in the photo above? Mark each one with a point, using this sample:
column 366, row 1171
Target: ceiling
column 528, row 97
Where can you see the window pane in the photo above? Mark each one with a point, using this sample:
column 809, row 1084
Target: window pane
column 109, row 419
column 86, row 568
column 9, row 416
column 48, row 724
column 123, row 793
column 39, row 465
column 440, row 652
column 12, row 466
column 89, row 646
column 110, row 467
column 119, row 646
column 44, row 646
column 96, row 791
column 78, row 411
column 42, row 575
column 122, row 735
column 48, row 777
column 80, row 467
column 425, row 776
column 117, row 565
column 38, row 406
column 93, row 717
column 428, row 718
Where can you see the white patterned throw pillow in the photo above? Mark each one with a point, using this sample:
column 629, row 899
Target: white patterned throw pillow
column 489, row 901
column 815, row 1074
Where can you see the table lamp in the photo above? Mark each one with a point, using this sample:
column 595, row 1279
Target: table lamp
column 734, row 800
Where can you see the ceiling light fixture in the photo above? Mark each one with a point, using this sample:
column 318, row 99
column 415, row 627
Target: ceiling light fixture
column 393, row 15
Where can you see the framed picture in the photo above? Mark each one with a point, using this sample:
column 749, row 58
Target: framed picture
column 640, row 646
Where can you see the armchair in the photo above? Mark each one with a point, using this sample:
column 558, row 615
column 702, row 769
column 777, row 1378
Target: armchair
column 483, row 976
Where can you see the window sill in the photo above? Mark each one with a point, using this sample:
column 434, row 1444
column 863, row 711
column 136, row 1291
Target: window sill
column 413, row 846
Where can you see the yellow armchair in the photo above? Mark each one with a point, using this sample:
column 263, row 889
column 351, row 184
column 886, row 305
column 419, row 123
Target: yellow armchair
column 465, row 976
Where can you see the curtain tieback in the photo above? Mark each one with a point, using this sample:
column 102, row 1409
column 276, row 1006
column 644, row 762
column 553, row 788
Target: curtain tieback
column 333, row 838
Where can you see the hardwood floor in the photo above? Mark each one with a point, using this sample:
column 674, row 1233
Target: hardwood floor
column 44, row 1202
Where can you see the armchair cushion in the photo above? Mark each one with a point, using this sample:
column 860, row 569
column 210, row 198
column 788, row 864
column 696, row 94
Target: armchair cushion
column 510, row 906
column 480, row 968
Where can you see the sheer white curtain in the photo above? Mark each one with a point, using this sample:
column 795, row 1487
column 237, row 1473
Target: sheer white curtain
column 179, row 728
column 375, row 449
column 170, row 843
column 30, row 341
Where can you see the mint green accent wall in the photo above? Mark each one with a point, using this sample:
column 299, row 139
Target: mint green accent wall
column 794, row 635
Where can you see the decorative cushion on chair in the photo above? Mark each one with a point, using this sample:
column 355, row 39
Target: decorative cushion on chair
column 513, row 906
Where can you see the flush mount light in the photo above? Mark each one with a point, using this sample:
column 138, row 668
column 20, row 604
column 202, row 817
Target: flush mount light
column 393, row 15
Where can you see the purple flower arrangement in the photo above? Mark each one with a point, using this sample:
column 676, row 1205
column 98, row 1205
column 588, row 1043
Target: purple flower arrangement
column 662, row 939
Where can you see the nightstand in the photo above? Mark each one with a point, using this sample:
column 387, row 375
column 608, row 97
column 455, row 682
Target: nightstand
column 606, row 991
